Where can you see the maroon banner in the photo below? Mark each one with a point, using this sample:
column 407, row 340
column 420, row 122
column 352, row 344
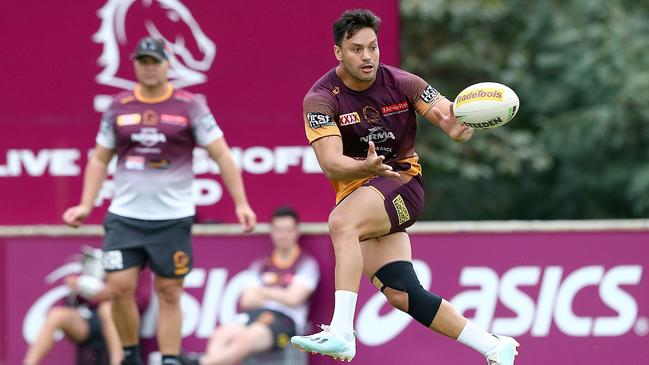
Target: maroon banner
column 568, row 297
column 252, row 60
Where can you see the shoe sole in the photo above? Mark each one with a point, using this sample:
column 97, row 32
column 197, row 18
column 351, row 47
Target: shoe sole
column 335, row 357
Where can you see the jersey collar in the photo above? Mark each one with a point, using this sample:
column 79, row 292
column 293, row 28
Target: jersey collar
column 141, row 98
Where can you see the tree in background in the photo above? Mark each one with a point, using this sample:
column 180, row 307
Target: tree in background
column 578, row 147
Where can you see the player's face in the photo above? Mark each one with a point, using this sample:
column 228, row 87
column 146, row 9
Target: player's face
column 284, row 232
column 359, row 55
column 150, row 72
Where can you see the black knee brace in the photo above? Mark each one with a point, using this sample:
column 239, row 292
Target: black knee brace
column 400, row 275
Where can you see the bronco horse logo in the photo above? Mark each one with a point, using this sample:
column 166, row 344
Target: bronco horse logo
column 190, row 51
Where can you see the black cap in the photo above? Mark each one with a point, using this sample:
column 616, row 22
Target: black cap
column 149, row 46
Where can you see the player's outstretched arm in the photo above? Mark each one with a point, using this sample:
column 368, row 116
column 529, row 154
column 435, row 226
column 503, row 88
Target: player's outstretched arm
column 337, row 166
column 219, row 151
column 93, row 178
column 442, row 116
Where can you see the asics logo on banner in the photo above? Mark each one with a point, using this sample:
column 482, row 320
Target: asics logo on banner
column 539, row 297
column 429, row 94
column 190, row 51
column 349, row 118
column 318, row 120
column 148, row 137
column 557, row 292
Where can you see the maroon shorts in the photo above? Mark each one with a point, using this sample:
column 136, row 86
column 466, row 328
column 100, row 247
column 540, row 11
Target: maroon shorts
column 403, row 199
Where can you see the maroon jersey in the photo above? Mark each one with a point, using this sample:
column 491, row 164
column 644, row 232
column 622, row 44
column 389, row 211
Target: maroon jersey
column 383, row 114
column 270, row 272
column 154, row 140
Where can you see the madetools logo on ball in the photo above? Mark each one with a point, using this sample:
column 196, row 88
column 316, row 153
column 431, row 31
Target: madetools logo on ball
column 481, row 94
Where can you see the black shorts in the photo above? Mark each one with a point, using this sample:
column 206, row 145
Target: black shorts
column 403, row 199
column 280, row 324
column 95, row 336
column 166, row 244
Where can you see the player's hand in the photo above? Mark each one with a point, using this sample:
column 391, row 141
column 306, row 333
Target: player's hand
column 375, row 165
column 75, row 216
column 246, row 217
column 453, row 127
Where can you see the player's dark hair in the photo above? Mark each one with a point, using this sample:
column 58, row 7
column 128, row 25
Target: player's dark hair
column 286, row 212
column 352, row 21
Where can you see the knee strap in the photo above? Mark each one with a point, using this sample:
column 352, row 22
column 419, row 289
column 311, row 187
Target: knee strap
column 400, row 275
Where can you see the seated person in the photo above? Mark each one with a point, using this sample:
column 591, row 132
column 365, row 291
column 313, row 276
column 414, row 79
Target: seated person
column 85, row 318
column 275, row 299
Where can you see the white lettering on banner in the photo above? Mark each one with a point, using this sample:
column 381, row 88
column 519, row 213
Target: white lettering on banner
column 547, row 296
column 200, row 319
column 220, row 296
column 254, row 160
column 204, row 192
column 516, row 300
column 35, row 317
column 618, row 300
column 538, row 316
column 257, row 160
column 57, row 162
column 483, row 300
column 262, row 160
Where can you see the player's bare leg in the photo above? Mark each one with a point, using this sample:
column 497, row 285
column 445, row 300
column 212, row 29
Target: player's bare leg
column 168, row 333
column 395, row 248
column 231, row 344
column 60, row 318
column 122, row 286
column 360, row 216
column 111, row 337
column 222, row 337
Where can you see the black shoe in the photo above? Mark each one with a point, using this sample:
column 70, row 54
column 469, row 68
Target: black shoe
column 190, row 358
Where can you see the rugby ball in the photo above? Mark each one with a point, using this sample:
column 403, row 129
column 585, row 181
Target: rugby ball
column 486, row 105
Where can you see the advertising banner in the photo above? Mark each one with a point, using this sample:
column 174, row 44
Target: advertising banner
column 253, row 62
column 568, row 297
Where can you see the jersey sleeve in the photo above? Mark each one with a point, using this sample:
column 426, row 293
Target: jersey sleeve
column 308, row 273
column 419, row 92
column 106, row 135
column 204, row 126
column 319, row 113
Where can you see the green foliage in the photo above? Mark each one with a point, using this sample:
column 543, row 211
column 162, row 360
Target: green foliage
column 578, row 146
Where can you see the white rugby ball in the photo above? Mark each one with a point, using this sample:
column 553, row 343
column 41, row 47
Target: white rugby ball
column 486, row 105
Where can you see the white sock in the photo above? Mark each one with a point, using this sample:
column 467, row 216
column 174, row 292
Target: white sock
column 476, row 338
column 345, row 306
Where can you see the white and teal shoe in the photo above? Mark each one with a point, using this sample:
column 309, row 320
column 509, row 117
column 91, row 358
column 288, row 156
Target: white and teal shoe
column 329, row 342
column 504, row 353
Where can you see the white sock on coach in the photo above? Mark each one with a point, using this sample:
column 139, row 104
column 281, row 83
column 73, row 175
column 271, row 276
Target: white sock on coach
column 477, row 338
column 344, row 309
